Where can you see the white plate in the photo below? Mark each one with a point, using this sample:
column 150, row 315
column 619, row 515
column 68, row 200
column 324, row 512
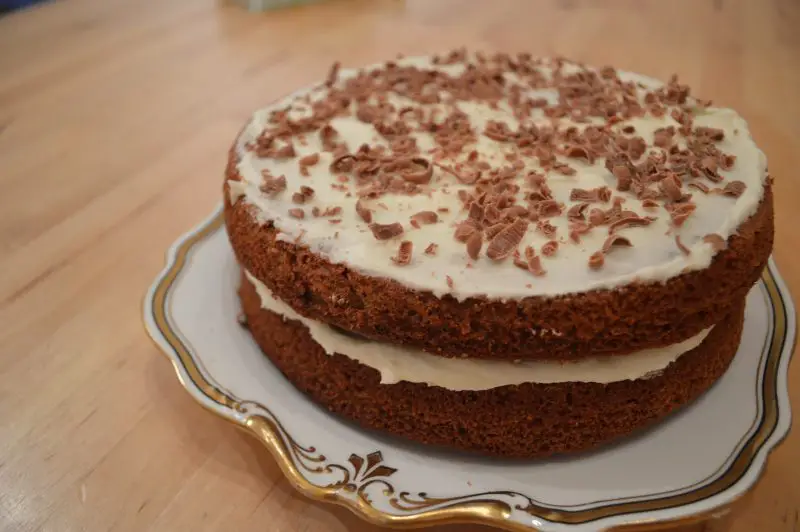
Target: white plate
column 692, row 466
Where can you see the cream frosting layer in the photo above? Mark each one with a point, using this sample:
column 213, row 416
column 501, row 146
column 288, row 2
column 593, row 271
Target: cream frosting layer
column 397, row 363
column 654, row 256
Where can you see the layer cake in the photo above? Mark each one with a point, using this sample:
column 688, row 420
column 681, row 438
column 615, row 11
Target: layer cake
column 498, row 253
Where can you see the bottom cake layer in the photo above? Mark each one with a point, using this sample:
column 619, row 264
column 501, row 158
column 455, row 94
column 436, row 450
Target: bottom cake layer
column 521, row 421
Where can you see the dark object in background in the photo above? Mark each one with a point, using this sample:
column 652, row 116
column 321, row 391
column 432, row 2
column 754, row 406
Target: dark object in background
column 10, row 5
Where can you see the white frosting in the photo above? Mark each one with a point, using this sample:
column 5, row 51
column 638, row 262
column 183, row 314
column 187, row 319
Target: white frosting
column 396, row 363
column 653, row 257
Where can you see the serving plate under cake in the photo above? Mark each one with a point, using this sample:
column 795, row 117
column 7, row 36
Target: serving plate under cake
column 692, row 466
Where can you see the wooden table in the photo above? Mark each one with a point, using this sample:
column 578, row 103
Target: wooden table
column 115, row 116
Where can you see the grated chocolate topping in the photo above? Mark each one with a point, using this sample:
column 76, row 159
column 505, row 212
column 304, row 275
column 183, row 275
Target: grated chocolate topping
column 506, row 241
column 484, row 147
column 596, row 260
column 273, row 185
column 681, row 245
column 716, row 241
column 550, row 248
column 404, row 252
column 474, row 244
column 386, row 231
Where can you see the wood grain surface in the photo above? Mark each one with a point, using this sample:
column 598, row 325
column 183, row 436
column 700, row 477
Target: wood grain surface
column 115, row 118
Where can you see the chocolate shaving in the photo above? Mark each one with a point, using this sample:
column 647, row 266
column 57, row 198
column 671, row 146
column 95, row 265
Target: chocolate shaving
column 680, row 213
column 343, row 163
column 266, row 147
column 671, row 187
column 464, row 230
column 702, row 187
column 546, row 228
column 577, row 151
column 403, row 256
column 529, row 252
column 425, row 217
column 303, row 195
column 367, row 113
column 681, row 246
column 549, row 248
column 717, row 242
column 624, row 177
column 734, row 189
column 596, row 260
column 332, row 211
column 297, row 213
column 386, row 231
column 465, row 174
column 578, row 229
column 474, row 244
column 273, row 185
column 499, row 131
column 535, row 179
column 546, row 208
column 629, row 221
column 710, row 133
column 333, row 74
column 535, row 267
column 564, row 169
column 532, row 262
column 649, row 204
column 284, row 152
column 636, row 148
column 662, row 137
column 513, row 212
column 493, row 230
column 727, row 161
column 507, row 240
column 576, row 212
column 597, row 217
column 476, row 212
column 327, row 135
column 600, row 194
column 615, row 241
column 449, row 281
column 418, row 171
column 431, row 249
column 492, row 214
column 709, row 165
column 363, row 212
column 309, row 160
column 405, row 146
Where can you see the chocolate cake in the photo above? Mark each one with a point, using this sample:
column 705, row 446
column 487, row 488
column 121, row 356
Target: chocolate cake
column 497, row 253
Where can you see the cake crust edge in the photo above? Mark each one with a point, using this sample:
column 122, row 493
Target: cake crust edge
column 521, row 421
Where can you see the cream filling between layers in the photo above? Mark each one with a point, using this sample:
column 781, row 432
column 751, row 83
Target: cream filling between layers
column 396, row 363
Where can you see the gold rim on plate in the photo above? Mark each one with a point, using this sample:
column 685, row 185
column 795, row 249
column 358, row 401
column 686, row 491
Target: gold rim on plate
column 362, row 472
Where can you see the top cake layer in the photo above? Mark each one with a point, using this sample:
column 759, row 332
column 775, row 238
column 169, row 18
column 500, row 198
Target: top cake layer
column 499, row 176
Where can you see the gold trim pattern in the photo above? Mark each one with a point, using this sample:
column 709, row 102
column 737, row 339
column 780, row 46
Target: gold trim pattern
column 362, row 473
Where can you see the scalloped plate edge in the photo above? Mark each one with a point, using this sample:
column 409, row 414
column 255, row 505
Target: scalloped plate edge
column 268, row 430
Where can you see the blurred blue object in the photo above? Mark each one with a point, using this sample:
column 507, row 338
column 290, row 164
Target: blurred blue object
column 8, row 5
